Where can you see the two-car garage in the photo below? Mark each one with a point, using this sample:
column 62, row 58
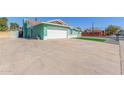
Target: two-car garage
column 56, row 34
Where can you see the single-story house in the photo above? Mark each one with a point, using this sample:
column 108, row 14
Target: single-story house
column 54, row 29
column 121, row 33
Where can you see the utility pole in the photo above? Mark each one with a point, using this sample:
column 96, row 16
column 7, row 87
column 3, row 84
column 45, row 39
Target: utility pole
column 35, row 18
column 92, row 27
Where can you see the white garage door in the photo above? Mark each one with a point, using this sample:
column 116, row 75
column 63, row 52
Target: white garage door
column 55, row 34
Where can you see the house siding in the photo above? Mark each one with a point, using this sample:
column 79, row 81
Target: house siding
column 37, row 31
column 45, row 30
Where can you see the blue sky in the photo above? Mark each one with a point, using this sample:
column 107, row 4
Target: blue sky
column 83, row 22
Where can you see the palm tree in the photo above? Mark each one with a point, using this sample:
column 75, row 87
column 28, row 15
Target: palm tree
column 14, row 26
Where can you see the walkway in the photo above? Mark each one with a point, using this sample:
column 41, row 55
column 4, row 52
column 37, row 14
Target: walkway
column 122, row 54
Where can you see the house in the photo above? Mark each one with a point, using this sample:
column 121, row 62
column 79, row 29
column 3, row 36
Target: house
column 121, row 33
column 53, row 29
column 96, row 33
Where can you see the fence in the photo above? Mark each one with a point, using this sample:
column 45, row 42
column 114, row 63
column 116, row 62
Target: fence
column 14, row 34
column 9, row 34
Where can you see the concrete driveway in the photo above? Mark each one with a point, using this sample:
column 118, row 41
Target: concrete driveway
column 122, row 55
column 66, row 56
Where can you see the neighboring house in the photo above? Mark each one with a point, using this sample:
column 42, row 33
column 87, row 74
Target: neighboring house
column 54, row 29
column 121, row 33
column 97, row 33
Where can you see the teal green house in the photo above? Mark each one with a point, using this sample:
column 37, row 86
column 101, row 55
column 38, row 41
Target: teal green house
column 54, row 29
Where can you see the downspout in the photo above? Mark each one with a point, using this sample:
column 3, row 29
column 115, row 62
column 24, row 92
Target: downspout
column 44, row 34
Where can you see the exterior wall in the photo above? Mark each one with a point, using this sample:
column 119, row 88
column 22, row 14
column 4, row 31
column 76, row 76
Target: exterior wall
column 37, row 32
column 100, row 33
column 71, row 33
column 14, row 34
column 56, row 27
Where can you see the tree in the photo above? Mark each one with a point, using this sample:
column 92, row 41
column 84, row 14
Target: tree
column 112, row 29
column 3, row 24
column 14, row 26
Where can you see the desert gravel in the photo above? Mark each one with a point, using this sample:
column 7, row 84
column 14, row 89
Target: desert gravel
column 58, row 57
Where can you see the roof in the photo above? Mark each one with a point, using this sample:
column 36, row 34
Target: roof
column 33, row 23
column 55, row 24
column 52, row 22
column 57, row 21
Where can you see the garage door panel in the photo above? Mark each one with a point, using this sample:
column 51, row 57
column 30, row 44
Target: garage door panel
column 54, row 34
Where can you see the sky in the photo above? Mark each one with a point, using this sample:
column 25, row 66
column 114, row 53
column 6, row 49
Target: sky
column 83, row 22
